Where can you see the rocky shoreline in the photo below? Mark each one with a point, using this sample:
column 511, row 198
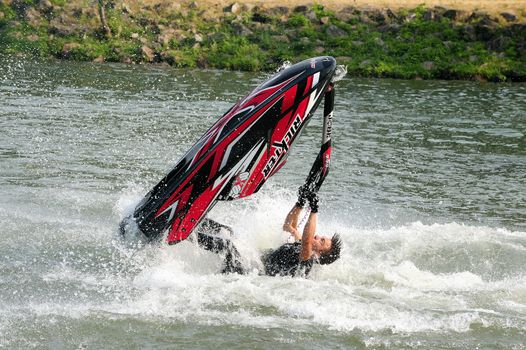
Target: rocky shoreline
column 419, row 43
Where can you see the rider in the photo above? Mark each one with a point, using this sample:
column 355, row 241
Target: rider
column 291, row 259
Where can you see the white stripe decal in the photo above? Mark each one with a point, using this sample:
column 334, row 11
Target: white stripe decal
column 313, row 96
column 172, row 207
column 244, row 162
column 229, row 148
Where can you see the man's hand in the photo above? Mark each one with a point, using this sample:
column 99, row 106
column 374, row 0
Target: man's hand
column 303, row 194
column 313, row 202
column 291, row 222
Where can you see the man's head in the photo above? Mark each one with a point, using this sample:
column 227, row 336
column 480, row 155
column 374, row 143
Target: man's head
column 328, row 249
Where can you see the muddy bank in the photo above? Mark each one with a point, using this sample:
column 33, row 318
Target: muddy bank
column 421, row 42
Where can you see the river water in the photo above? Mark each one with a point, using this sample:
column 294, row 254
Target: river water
column 427, row 189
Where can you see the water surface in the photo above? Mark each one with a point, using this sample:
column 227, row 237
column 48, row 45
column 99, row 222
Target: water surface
column 427, row 189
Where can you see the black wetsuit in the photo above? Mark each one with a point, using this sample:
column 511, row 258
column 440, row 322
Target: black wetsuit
column 284, row 261
column 207, row 239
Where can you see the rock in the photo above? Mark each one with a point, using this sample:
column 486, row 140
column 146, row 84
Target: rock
column 20, row 7
column 281, row 38
column 279, row 10
column 234, row 8
column 456, row 15
column 311, row 15
column 509, row 17
column 44, row 4
column 498, row 44
column 428, row 65
column 335, row 32
column 248, row 7
column 33, row 17
column 439, row 10
column 301, row 9
column 1, row 15
column 366, row 20
column 325, row 20
column 429, row 15
column 483, row 32
column 291, row 34
column 389, row 28
column 147, row 53
column 193, row 5
column 518, row 31
column 32, row 37
column 125, row 8
column 90, row 13
column 489, row 21
column 267, row 27
column 67, row 48
column 135, row 36
column 46, row 8
column 357, row 43
column 378, row 16
column 198, row 38
column 241, row 29
column 473, row 58
column 475, row 15
column 166, row 36
column 209, row 15
column 451, row 14
column 319, row 50
column 60, row 30
column 127, row 60
column 345, row 16
column 99, row 59
column 391, row 15
column 260, row 17
column 169, row 56
column 144, row 41
column 77, row 12
column 469, row 33
column 409, row 17
column 217, row 37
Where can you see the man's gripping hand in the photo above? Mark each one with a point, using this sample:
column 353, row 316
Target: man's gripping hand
column 303, row 193
column 313, row 201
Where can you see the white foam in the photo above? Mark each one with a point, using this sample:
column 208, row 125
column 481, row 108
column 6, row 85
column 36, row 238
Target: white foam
column 382, row 281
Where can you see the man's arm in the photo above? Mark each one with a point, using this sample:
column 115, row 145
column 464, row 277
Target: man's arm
column 308, row 236
column 291, row 222
column 310, row 228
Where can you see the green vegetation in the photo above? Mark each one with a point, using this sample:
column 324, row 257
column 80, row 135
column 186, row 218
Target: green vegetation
column 418, row 43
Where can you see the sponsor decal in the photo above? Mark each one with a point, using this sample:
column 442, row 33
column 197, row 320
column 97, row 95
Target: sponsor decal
column 281, row 147
column 328, row 126
column 239, row 183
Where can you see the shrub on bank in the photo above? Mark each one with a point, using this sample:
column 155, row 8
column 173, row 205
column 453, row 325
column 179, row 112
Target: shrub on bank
column 419, row 43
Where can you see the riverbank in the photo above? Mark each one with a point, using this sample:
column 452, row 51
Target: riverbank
column 422, row 42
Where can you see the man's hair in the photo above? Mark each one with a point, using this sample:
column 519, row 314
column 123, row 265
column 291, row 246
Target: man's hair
column 333, row 254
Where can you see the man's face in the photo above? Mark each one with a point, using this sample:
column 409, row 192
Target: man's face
column 321, row 244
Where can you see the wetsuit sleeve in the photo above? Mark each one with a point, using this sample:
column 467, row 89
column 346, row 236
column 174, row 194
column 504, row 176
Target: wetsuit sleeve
column 225, row 246
column 212, row 227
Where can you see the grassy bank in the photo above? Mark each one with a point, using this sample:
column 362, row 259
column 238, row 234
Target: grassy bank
column 425, row 43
